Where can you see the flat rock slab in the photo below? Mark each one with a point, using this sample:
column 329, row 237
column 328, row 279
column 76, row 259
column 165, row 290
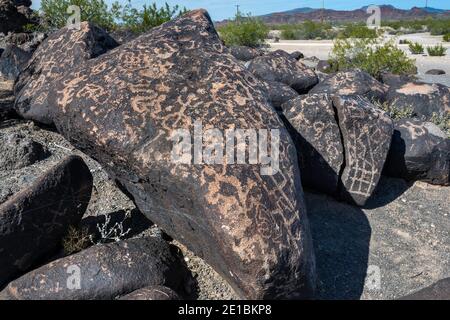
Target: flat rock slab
column 423, row 99
column 319, row 145
column 136, row 97
column 352, row 82
column 280, row 66
column 419, row 151
column 102, row 272
column 366, row 133
column 57, row 55
column 395, row 246
column 152, row 293
column 33, row 221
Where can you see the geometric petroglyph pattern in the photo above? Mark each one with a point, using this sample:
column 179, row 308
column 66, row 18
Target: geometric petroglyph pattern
column 122, row 108
column 367, row 133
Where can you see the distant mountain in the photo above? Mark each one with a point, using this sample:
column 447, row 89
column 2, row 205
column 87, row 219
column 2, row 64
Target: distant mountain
column 388, row 12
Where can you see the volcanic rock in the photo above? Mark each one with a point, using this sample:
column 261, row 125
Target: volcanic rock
column 279, row 93
column 244, row 53
column 152, row 293
column 12, row 62
column 33, row 221
column 126, row 108
column 419, row 151
column 280, row 66
column 56, row 56
column 102, row 272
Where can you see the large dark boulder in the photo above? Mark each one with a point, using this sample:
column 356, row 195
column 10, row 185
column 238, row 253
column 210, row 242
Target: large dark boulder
column 244, row 53
column 437, row 291
column 59, row 54
column 279, row 93
column 33, row 221
column 152, row 293
column 13, row 61
column 342, row 142
column 352, row 82
column 125, row 109
column 318, row 140
column 102, row 272
column 280, row 66
column 419, row 151
column 423, row 99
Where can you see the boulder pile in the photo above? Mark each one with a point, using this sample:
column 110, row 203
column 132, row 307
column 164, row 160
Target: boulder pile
column 156, row 114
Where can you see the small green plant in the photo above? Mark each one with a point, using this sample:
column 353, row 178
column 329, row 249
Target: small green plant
column 443, row 122
column 416, row 48
column 76, row 239
column 359, row 31
column 370, row 55
column 395, row 112
column 446, row 37
column 436, row 51
column 140, row 21
column 308, row 30
column 244, row 31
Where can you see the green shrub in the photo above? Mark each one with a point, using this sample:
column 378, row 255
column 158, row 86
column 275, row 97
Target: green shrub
column 437, row 50
column 96, row 11
column 447, row 37
column 394, row 112
column 443, row 122
column 140, row 21
column 372, row 56
column 434, row 26
column 308, row 30
column 416, row 48
column 359, row 31
column 244, row 31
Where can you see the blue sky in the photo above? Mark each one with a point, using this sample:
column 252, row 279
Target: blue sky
column 222, row 9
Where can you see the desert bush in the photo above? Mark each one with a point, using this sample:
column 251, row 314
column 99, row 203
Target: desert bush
column 395, row 112
column 434, row 26
column 76, row 239
column 443, row 122
column 97, row 11
column 244, row 31
column 446, row 37
column 436, row 51
column 370, row 55
column 356, row 30
column 308, row 30
column 151, row 16
column 416, row 48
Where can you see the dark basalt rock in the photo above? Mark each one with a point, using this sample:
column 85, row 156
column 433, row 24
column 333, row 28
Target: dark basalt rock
column 318, row 140
column 280, row 66
column 423, row 98
column 279, row 93
column 323, row 66
column 27, row 41
column 18, row 152
column 244, row 53
column 102, row 272
column 123, row 109
column 13, row 61
column 11, row 19
column 366, row 133
column 152, row 293
column 297, row 55
column 56, row 56
column 437, row 291
column 419, row 151
column 435, row 72
column 33, row 221
column 342, row 143
column 352, row 82
column 395, row 80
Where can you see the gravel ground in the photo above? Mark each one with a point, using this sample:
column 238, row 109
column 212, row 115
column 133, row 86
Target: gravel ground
column 322, row 49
